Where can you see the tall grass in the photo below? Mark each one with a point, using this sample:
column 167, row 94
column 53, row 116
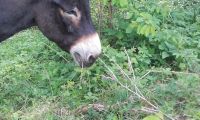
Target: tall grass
column 40, row 81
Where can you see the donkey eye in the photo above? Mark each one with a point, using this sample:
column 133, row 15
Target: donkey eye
column 72, row 12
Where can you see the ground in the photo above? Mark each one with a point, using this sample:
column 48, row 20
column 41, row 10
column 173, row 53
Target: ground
column 40, row 81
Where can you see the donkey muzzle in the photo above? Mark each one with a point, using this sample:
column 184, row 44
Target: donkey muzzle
column 86, row 50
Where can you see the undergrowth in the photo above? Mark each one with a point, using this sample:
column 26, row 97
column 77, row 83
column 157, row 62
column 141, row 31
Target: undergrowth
column 149, row 68
column 40, row 81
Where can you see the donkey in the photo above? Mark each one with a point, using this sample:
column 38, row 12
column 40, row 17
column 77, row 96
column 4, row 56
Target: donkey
column 68, row 23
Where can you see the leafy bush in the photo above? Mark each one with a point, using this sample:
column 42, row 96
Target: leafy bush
column 168, row 30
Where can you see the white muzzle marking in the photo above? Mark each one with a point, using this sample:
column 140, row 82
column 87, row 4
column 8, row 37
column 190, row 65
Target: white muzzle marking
column 86, row 47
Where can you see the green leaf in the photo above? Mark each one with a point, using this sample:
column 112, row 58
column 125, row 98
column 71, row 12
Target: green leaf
column 182, row 66
column 139, row 29
column 129, row 29
column 123, row 3
column 129, row 15
column 152, row 117
column 153, row 31
column 105, row 2
column 147, row 31
column 165, row 55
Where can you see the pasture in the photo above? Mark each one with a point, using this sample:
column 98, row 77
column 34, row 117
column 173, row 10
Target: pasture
column 149, row 68
column 40, row 81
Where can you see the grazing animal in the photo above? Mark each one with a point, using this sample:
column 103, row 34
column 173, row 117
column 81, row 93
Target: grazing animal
column 66, row 22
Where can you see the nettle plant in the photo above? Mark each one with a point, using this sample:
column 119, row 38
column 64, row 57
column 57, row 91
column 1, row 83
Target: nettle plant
column 168, row 30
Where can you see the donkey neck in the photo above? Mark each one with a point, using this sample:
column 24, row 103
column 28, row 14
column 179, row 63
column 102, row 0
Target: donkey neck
column 15, row 16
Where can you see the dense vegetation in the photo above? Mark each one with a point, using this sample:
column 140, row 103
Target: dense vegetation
column 149, row 69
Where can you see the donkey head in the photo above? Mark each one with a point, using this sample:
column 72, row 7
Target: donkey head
column 68, row 23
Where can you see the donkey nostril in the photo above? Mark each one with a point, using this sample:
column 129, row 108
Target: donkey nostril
column 84, row 60
column 91, row 59
column 77, row 56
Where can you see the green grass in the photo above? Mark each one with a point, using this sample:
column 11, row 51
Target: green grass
column 40, row 81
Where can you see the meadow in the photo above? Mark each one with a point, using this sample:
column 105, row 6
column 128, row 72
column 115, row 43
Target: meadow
column 40, row 81
column 149, row 69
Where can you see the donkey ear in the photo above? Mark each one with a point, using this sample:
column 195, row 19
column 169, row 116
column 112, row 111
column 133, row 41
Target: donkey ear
column 58, row 2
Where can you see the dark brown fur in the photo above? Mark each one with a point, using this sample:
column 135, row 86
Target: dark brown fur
column 17, row 15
